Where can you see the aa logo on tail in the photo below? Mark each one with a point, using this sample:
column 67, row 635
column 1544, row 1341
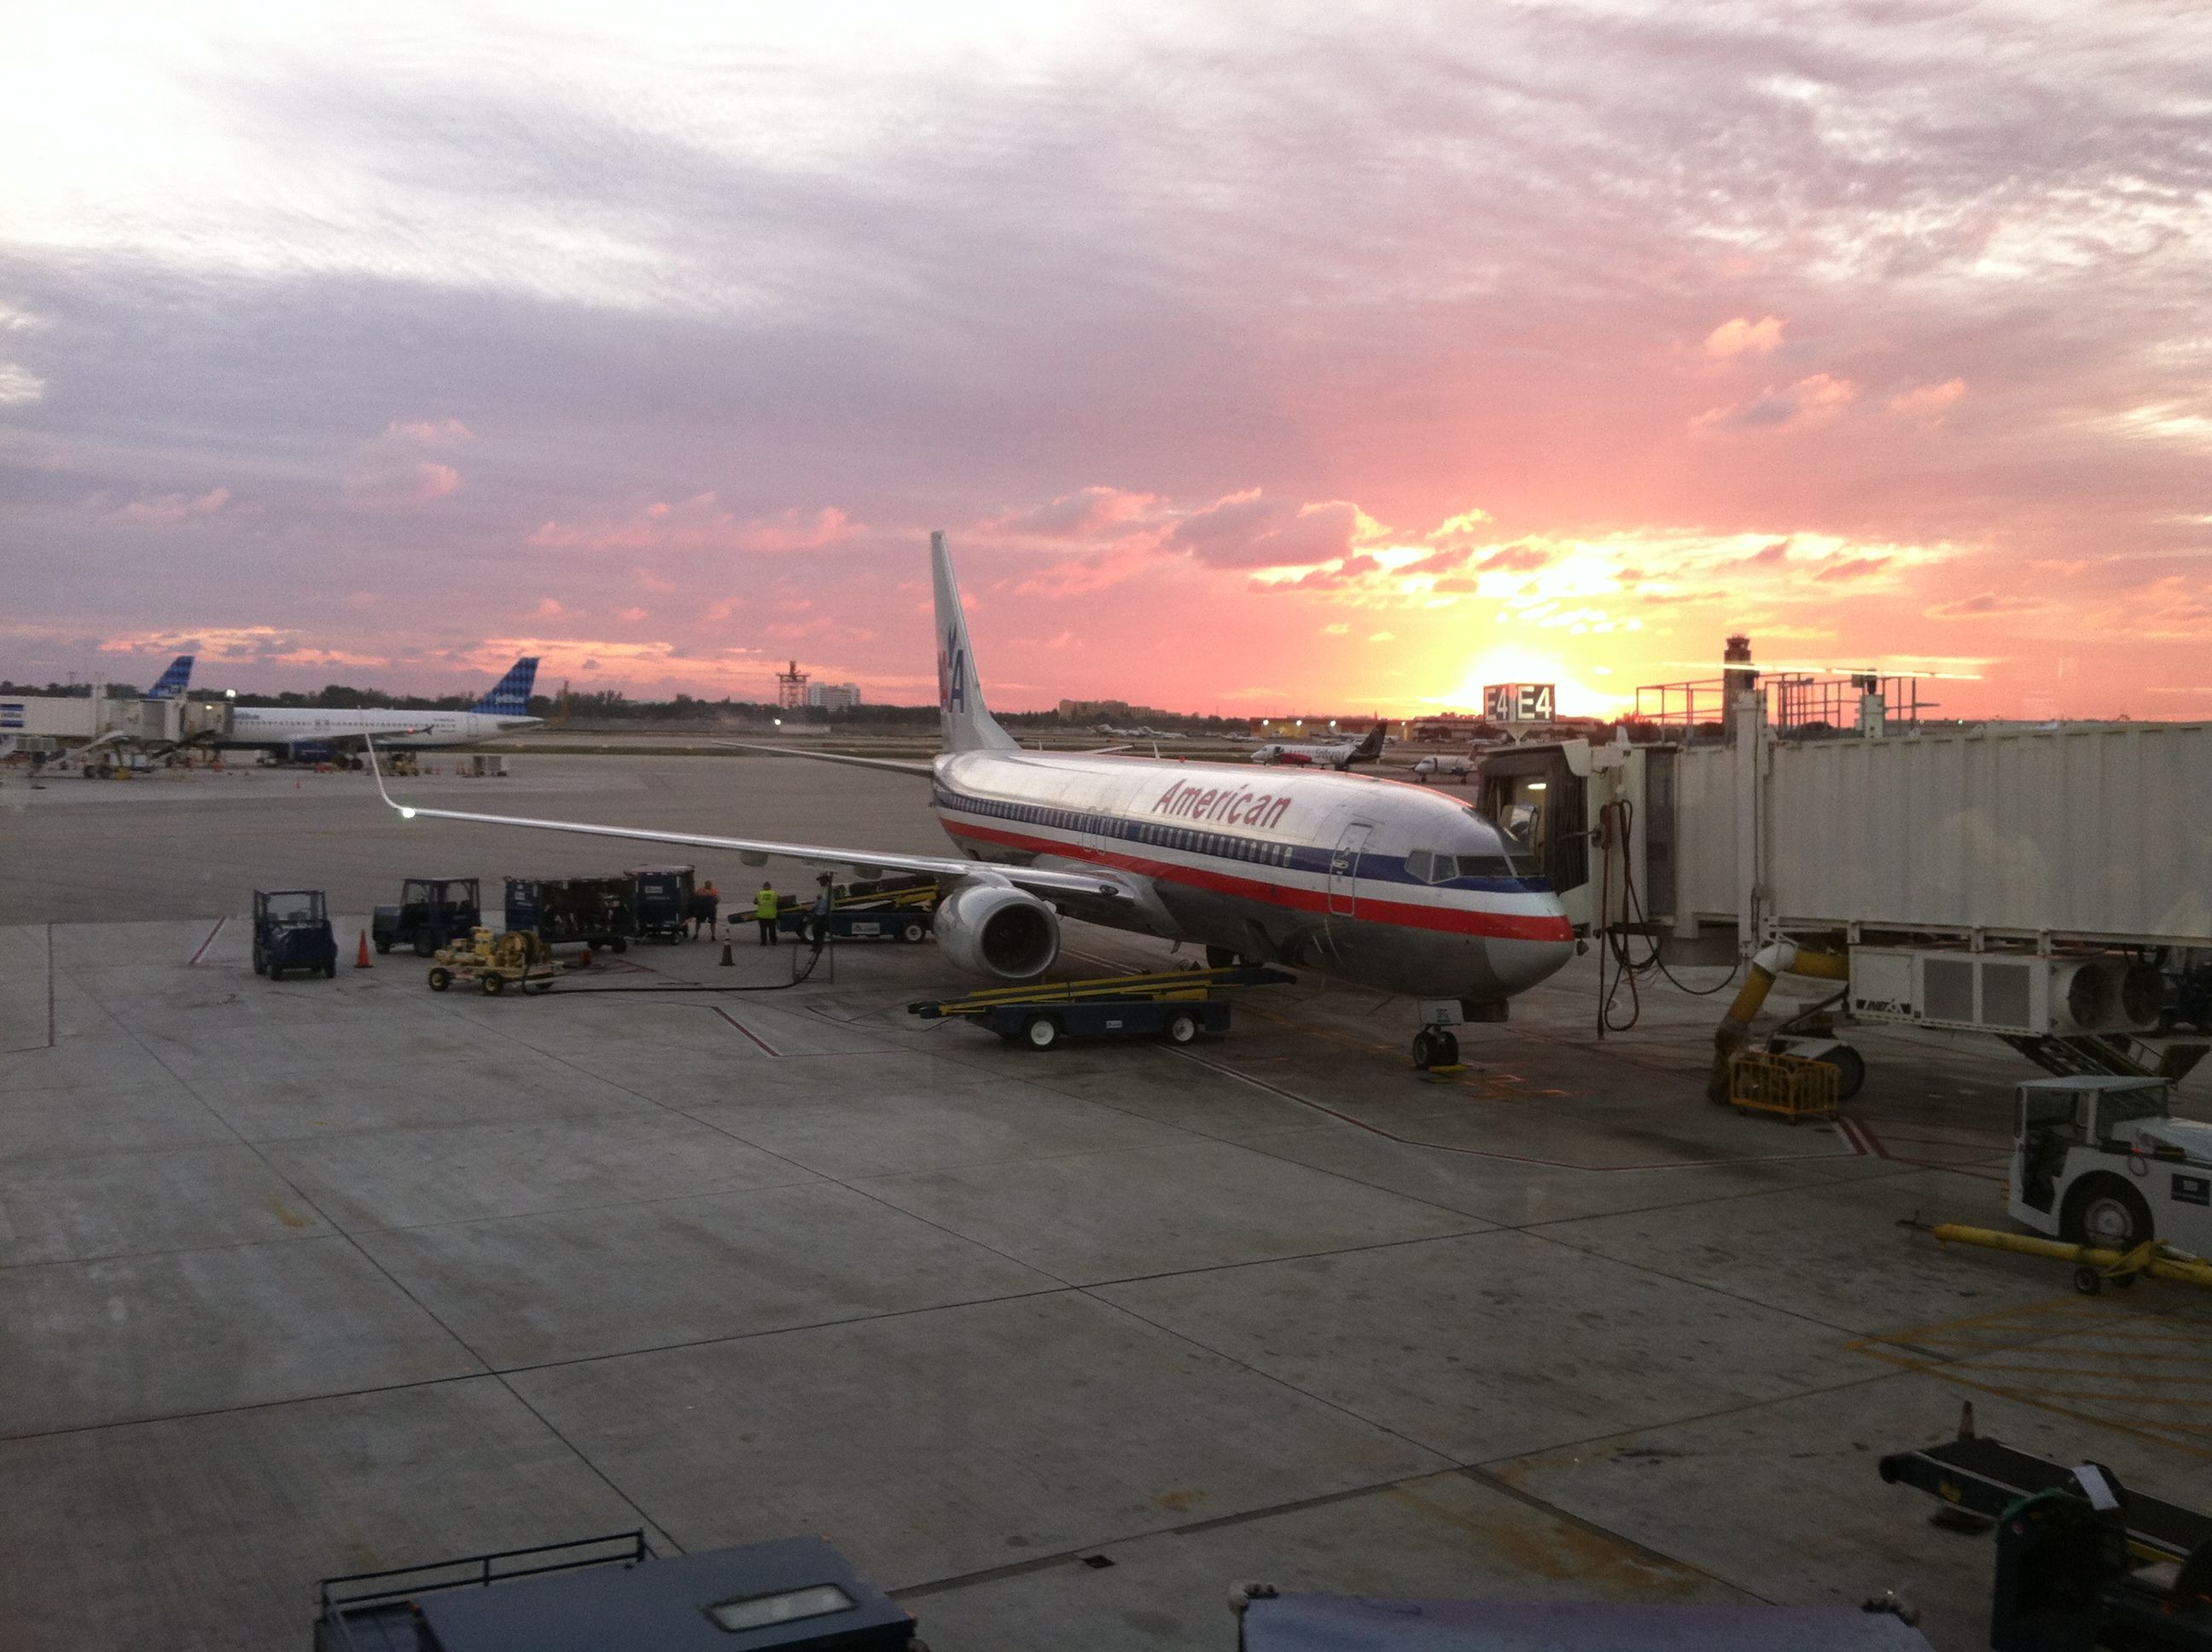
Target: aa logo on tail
column 952, row 674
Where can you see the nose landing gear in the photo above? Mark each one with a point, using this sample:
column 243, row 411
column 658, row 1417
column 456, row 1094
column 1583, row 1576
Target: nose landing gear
column 1434, row 1046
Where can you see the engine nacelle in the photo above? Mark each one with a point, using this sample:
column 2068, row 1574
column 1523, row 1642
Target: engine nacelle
column 988, row 929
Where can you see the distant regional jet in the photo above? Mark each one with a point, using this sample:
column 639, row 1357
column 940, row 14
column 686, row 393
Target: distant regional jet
column 1337, row 754
column 1374, row 882
column 504, row 710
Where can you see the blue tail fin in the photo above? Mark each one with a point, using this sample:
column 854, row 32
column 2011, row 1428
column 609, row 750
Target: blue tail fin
column 510, row 698
column 173, row 680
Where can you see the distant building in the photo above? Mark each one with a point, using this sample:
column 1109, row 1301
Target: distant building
column 833, row 696
column 790, row 687
column 1113, row 711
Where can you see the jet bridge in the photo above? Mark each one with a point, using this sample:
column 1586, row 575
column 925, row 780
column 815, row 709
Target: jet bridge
column 2051, row 884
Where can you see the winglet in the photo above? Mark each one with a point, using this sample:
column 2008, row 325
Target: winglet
column 368, row 742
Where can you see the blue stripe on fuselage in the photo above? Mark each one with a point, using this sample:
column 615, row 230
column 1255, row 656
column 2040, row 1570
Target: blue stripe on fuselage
column 1220, row 846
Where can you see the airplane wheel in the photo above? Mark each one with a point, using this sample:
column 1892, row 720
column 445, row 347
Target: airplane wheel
column 1182, row 1028
column 441, row 979
column 1435, row 1047
column 1041, row 1032
column 1220, row 957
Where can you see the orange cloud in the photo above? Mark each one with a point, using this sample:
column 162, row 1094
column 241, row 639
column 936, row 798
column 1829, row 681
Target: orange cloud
column 1928, row 402
column 1813, row 400
column 1744, row 338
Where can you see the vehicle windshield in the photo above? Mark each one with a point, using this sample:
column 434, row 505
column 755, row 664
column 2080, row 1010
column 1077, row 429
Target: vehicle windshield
column 2118, row 1107
column 295, row 906
column 2042, row 1109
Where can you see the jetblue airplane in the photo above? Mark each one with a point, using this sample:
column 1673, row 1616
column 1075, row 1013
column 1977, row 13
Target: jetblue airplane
column 174, row 681
column 504, row 710
column 1369, row 881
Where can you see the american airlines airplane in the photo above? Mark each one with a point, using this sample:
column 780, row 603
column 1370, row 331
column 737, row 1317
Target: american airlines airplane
column 1372, row 882
column 1336, row 754
column 504, row 710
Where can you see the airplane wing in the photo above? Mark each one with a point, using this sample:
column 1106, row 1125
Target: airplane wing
column 759, row 851
column 896, row 765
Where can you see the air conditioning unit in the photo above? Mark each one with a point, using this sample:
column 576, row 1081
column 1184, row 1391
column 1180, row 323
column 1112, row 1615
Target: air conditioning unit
column 2024, row 992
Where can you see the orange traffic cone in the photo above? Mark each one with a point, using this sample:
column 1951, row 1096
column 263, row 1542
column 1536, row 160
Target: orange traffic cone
column 726, row 958
column 361, row 958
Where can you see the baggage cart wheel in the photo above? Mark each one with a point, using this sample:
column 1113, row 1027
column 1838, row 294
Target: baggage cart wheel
column 441, row 979
column 2088, row 1280
column 620, row 943
column 1041, row 1032
column 1182, row 1028
column 912, row 930
column 494, row 985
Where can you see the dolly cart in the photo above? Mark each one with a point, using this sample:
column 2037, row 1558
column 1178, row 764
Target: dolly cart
column 292, row 931
column 792, row 1594
column 867, row 913
column 664, row 901
column 2081, row 1561
column 1177, row 1006
column 432, row 913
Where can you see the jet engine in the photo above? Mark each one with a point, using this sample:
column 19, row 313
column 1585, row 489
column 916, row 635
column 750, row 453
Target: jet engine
column 989, row 929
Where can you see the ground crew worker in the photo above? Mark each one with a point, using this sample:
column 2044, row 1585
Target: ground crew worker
column 764, row 913
column 705, row 908
column 820, row 918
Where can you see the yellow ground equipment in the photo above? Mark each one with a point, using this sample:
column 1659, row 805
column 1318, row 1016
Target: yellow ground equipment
column 1176, row 1006
column 1794, row 1086
column 2093, row 1268
column 496, row 960
column 1777, row 958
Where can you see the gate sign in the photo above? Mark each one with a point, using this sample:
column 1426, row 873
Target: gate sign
column 1517, row 702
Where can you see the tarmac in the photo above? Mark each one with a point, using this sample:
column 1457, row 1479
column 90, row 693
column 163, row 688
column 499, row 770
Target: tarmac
column 318, row 1277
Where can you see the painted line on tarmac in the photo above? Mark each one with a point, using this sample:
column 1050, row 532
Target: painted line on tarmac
column 747, row 1031
column 50, row 1022
column 208, row 942
column 1856, row 1151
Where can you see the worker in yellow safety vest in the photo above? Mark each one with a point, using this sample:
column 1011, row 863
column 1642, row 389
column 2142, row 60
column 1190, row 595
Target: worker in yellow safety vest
column 764, row 913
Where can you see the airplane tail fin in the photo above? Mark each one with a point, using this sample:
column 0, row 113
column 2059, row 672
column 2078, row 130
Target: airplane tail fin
column 1371, row 748
column 511, row 697
column 967, row 724
column 173, row 680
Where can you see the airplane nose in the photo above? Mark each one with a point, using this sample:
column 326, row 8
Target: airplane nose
column 1520, row 964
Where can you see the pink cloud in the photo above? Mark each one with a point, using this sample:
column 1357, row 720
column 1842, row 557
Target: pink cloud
column 167, row 508
column 391, row 471
column 1254, row 529
column 1084, row 515
column 702, row 522
column 1810, row 401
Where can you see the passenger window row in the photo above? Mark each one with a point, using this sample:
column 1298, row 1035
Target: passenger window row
column 1187, row 838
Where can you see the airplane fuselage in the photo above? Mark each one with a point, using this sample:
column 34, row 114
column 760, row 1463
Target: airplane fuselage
column 281, row 726
column 1371, row 881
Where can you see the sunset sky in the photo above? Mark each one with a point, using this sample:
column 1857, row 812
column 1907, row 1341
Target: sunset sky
column 1254, row 357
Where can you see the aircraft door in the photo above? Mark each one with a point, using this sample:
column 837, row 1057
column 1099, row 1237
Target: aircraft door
column 1344, row 870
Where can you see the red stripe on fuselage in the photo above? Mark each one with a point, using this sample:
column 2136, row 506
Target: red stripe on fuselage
column 1459, row 920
